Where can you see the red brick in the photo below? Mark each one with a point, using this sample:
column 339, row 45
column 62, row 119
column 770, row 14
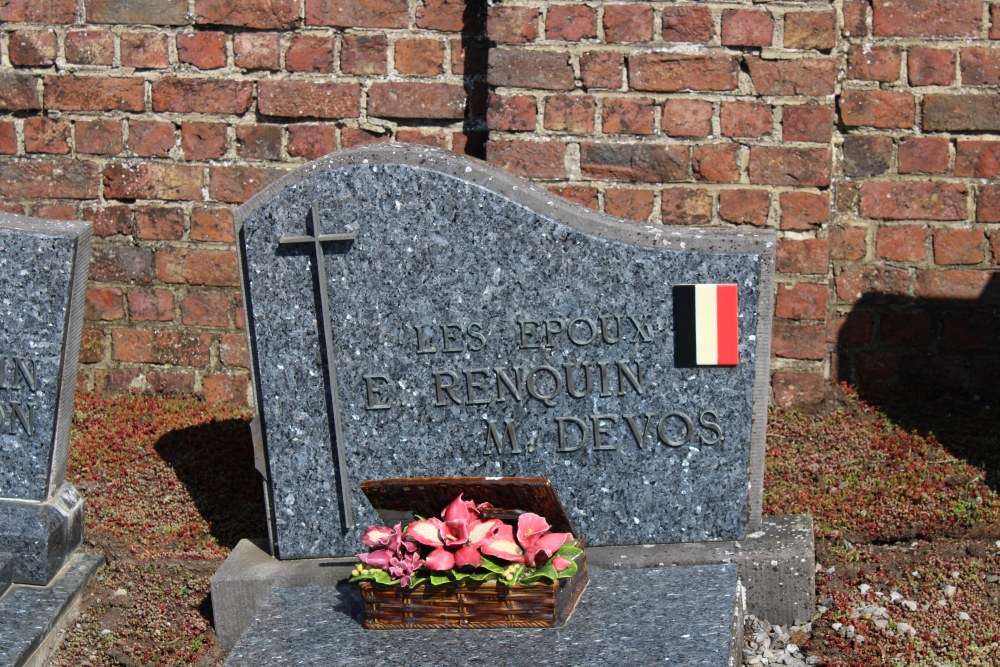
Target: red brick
column 19, row 92
column 226, row 388
column 161, row 12
column 91, row 346
column 807, row 76
column 981, row 66
column 32, row 48
column 628, row 115
column 511, row 113
column 205, row 309
column 90, row 47
column 877, row 108
column 905, row 329
column 994, row 21
column 195, row 266
column 55, row 178
column 855, row 329
column 953, row 284
column 745, row 206
column 259, row 141
column 33, row 11
column 534, row 159
column 810, row 30
column 995, row 245
column 927, row 18
column 203, row 141
column 358, row 13
column 855, row 17
column 967, row 331
column 326, row 100
column 159, row 223
column 905, row 243
column 746, row 27
column 151, row 138
column 174, row 348
column 582, row 196
column 923, row 154
column 150, row 305
column 237, row 183
column 794, row 340
column 601, row 69
column 103, row 303
column 570, row 23
column 212, row 224
column 807, row 122
column 355, row 136
column 988, row 205
column 16, row 209
column 145, row 180
column 258, row 14
column 809, row 256
column 445, row 15
column 790, row 166
column 873, row 63
column 803, row 301
column 796, row 388
column 687, row 118
column 628, row 203
column 628, row 23
column 930, row 67
column 855, row 282
column 962, row 112
column 364, row 54
column 99, row 137
column 44, row 135
column 8, row 138
column 420, row 57
column 257, row 50
column 914, row 201
column 203, row 95
column 685, row 206
column 687, row 24
column 204, row 50
column 959, row 246
column 547, row 70
column 144, row 50
column 94, row 93
column 667, row 73
column 310, row 53
column 55, row 211
column 400, row 99
column 233, row 350
column 978, row 159
column 716, row 163
column 866, row 154
column 649, row 163
column 570, row 113
column 121, row 263
column 108, row 220
column 512, row 24
column 422, row 137
column 311, row 140
column 804, row 210
column 746, row 119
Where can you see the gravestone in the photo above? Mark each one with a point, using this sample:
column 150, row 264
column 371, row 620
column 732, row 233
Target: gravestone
column 413, row 313
column 43, row 275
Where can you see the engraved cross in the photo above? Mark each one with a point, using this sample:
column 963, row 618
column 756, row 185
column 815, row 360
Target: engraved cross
column 315, row 236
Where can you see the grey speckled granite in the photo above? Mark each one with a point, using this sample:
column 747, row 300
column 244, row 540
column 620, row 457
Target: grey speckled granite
column 678, row 616
column 41, row 535
column 492, row 267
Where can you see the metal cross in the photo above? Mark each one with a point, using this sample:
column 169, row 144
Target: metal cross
column 315, row 236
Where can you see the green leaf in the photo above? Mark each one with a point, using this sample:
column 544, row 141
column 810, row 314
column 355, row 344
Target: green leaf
column 440, row 579
column 418, row 580
column 459, row 576
column 383, row 577
column 493, row 565
column 569, row 551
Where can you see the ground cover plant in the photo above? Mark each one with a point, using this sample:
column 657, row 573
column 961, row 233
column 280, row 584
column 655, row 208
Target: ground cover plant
column 908, row 533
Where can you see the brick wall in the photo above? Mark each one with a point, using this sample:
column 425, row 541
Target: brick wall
column 867, row 133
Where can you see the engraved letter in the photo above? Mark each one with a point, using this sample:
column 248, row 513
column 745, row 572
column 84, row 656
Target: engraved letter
column 711, row 426
column 601, row 430
column 373, row 394
column 605, row 329
column 641, row 328
column 475, row 332
column 536, row 393
column 625, row 373
column 27, row 421
column 493, row 436
column 661, row 429
column 605, row 378
column 472, row 384
column 552, row 329
column 527, row 333
column 585, row 340
column 423, row 345
column 445, row 389
column 452, row 337
column 513, row 387
column 26, row 367
column 640, row 437
column 571, row 382
column 584, row 433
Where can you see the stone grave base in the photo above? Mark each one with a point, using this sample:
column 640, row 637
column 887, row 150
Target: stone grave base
column 776, row 565
column 30, row 614
column 41, row 535
column 690, row 615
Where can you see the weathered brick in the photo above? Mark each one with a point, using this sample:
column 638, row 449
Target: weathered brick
column 213, row 224
column 357, row 136
column 857, row 281
column 685, row 206
column 988, row 207
column 978, row 159
column 628, row 115
column 790, row 166
column 91, row 346
column 959, row 246
column 808, row 256
column 511, row 113
column 794, row 388
column 90, row 47
column 56, row 178
column 205, row 309
column 32, row 48
column 225, row 388
column 994, row 21
column 259, row 141
column 667, row 72
column 854, row 329
column 55, row 211
column 121, row 263
column 257, row 50
column 647, row 163
column 8, row 137
column 204, row 50
column 807, row 122
column 146, row 180
column 943, row 113
column 602, row 69
column 326, row 100
column 203, row 95
column 403, row 99
column 422, row 137
column 628, row 23
column 967, row 331
column 952, row 284
column 905, row 328
column 981, row 66
column 534, row 159
column 927, row 18
column 203, row 141
column 716, row 163
column 419, row 57
column 109, row 220
column 237, row 183
column 509, row 24
column 358, row 13
column 103, row 304
column 257, row 14
column 806, row 76
column 99, row 137
column 744, row 206
column 810, row 30
column 310, row 53
column 901, row 243
column 855, row 17
column 143, row 12
column 570, row 23
column 196, row 266
column 746, row 119
column 930, row 67
column 448, row 15
column 804, row 210
column 877, row 108
column 150, row 305
column 94, row 93
column 687, row 118
column 570, row 113
column 802, row 301
column 914, row 201
column 159, row 223
column 311, row 140
column 170, row 347
column 151, row 138
column 687, row 24
column 144, row 50
column 364, row 54
column 630, row 203
column 45, row 135
column 796, row 340
column 584, row 196
column 547, row 70
column 923, row 155
column 866, row 62
column 866, row 154
column 746, row 27
column 233, row 350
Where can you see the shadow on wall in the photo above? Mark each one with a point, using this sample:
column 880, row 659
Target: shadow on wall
column 215, row 463
column 933, row 366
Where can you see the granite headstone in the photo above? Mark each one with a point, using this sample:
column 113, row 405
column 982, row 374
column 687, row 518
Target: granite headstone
column 412, row 313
